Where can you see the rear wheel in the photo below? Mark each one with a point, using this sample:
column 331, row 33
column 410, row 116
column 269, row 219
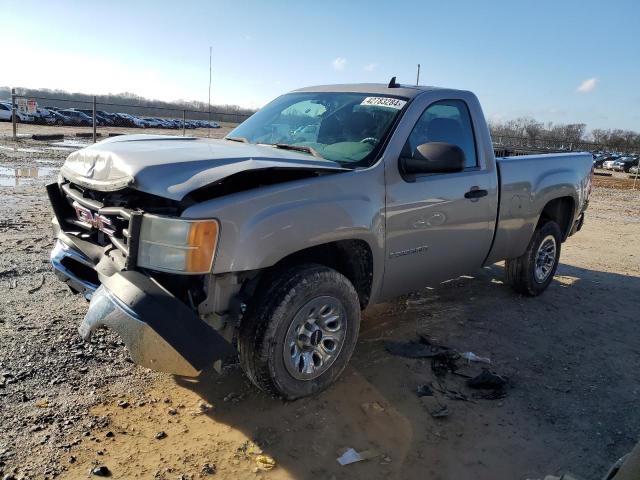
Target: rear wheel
column 299, row 333
column 531, row 273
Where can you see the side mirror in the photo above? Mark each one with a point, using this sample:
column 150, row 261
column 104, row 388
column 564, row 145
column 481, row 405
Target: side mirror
column 434, row 157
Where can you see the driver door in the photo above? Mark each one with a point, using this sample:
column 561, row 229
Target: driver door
column 435, row 228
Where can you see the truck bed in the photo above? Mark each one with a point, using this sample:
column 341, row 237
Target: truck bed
column 527, row 183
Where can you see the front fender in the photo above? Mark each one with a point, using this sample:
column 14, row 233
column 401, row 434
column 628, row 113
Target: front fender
column 262, row 226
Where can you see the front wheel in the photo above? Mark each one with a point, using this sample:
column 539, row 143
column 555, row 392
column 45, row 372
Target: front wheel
column 299, row 333
column 531, row 273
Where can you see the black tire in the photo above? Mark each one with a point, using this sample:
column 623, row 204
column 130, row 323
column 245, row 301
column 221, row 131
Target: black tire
column 268, row 319
column 521, row 271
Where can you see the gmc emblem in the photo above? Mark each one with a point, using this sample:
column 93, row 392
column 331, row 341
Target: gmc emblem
column 97, row 221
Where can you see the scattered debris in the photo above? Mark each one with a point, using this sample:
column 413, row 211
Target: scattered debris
column 172, row 411
column 265, row 462
column 160, row 435
column 411, row 349
column 101, row 471
column 203, row 407
column 423, row 348
column 472, row 357
column 123, row 404
column 109, row 434
column 442, row 412
column 42, row 403
column 444, row 362
column 352, row 456
column 431, row 403
column 208, row 469
column 424, row 391
column 487, row 380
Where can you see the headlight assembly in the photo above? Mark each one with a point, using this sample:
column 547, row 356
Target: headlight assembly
column 177, row 245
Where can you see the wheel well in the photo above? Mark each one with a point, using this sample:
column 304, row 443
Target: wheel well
column 559, row 210
column 352, row 258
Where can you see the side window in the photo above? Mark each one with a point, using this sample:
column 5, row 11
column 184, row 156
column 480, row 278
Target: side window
column 445, row 121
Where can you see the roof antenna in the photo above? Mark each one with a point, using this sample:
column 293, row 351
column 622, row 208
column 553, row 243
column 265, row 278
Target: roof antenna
column 393, row 83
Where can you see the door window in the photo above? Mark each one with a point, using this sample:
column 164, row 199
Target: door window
column 445, row 121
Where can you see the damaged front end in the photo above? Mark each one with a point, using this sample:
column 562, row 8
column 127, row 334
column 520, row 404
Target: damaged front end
column 96, row 254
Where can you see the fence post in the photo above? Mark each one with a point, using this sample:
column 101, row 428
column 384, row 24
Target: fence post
column 13, row 112
column 184, row 121
column 94, row 119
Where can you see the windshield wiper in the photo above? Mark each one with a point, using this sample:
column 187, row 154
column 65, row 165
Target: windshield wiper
column 298, row 148
column 237, row 139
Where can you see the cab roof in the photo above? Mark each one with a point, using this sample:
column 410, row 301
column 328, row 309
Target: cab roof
column 407, row 91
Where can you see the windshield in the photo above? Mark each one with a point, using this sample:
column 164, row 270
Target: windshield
column 343, row 127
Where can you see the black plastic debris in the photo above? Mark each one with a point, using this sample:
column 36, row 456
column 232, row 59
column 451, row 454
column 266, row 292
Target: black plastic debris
column 492, row 384
column 412, row 349
column 424, row 391
column 444, row 362
column 487, row 380
column 101, row 471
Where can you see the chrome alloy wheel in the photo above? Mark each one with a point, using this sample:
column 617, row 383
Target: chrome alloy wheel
column 545, row 259
column 315, row 337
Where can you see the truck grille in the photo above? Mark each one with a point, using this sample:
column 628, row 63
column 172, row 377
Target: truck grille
column 77, row 210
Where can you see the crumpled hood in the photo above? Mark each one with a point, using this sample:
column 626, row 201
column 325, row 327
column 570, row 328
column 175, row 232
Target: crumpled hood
column 172, row 167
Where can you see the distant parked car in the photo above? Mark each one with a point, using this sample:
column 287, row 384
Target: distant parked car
column 635, row 170
column 608, row 164
column 56, row 118
column 101, row 120
column 5, row 114
column 127, row 120
column 153, row 122
column 111, row 117
column 43, row 117
column 77, row 117
column 624, row 164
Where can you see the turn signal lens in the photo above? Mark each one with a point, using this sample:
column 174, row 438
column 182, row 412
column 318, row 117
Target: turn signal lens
column 203, row 238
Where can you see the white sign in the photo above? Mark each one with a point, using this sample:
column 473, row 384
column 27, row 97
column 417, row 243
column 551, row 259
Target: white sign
column 384, row 102
column 22, row 104
column 32, row 106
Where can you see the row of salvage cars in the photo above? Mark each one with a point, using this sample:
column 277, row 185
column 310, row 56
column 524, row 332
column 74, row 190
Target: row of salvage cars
column 617, row 162
column 83, row 117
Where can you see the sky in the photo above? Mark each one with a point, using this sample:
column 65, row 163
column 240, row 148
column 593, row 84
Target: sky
column 563, row 61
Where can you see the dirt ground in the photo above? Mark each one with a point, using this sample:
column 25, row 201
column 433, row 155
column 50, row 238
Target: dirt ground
column 572, row 357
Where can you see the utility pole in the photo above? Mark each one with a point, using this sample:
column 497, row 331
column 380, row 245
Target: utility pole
column 13, row 112
column 94, row 119
column 418, row 76
column 209, row 122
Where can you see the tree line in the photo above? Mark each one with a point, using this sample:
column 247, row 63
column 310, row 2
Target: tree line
column 558, row 135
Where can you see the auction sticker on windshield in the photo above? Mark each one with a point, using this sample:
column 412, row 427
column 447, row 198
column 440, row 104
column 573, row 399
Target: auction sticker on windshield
column 384, row 102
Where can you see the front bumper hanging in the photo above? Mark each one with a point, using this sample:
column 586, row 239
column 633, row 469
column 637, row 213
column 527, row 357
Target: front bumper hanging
column 159, row 331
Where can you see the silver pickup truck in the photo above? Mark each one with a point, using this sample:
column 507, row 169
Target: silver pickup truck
column 268, row 244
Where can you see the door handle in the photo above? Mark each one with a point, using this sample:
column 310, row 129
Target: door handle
column 475, row 192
